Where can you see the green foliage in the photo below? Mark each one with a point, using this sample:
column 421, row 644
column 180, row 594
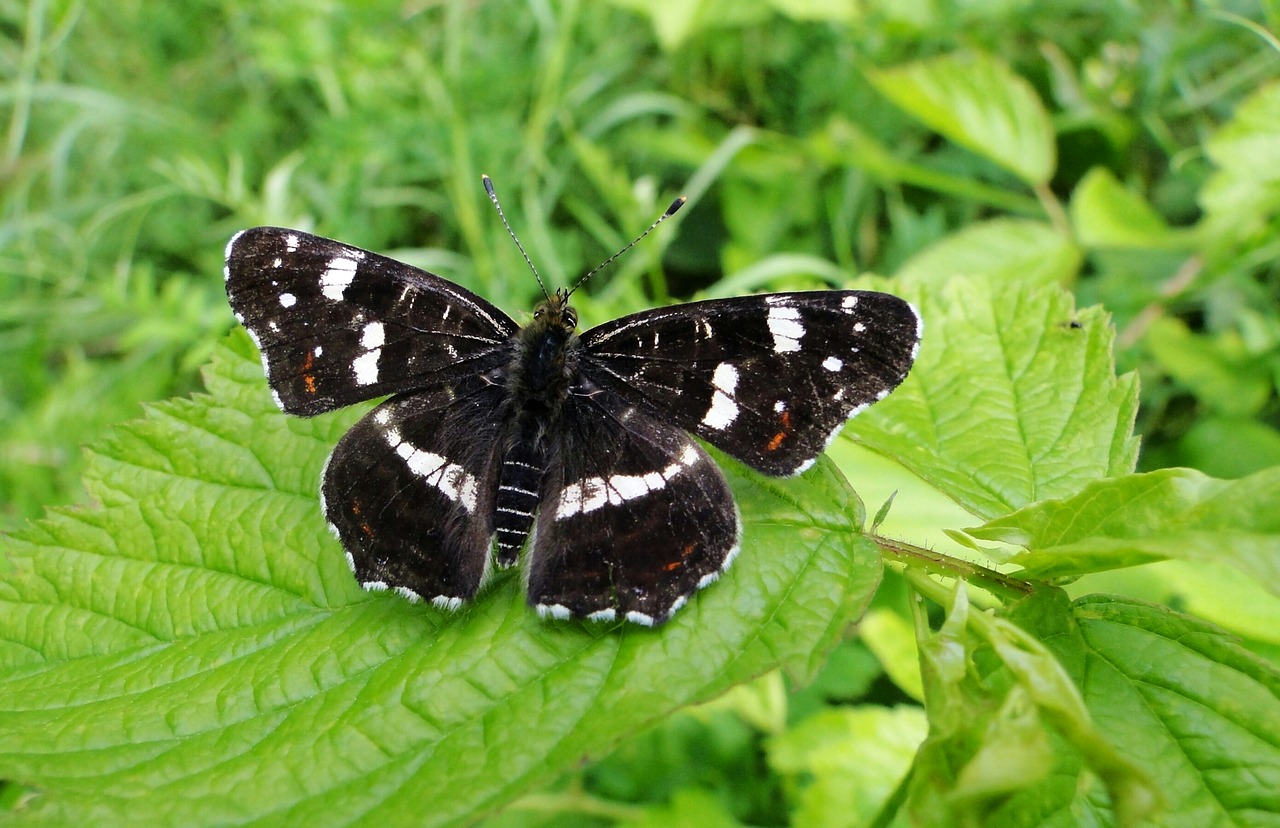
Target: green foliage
column 1077, row 196
column 336, row 703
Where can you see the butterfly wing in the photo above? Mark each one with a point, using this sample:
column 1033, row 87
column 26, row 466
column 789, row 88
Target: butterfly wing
column 409, row 491
column 635, row 516
column 337, row 325
column 768, row 379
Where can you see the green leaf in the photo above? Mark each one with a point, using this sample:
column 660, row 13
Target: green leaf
column 1246, row 189
column 1002, row 250
column 1017, row 738
column 1104, row 213
column 1218, row 370
column 1140, row 518
column 891, row 638
column 689, row 808
column 844, row 762
column 1007, row 376
column 1183, row 700
column 1230, row 446
column 1048, row 686
column 1224, row 596
column 199, row 634
column 976, row 101
column 675, row 21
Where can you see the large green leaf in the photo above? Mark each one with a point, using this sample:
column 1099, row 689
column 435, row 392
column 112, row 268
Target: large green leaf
column 1140, row 518
column 195, row 651
column 1245, row 192
column 1181, row 698
column 1013, row 398
column 978, row 102
column 1104, row 213
column 1098, row 711
column 1004, row 743
column 1000, row 250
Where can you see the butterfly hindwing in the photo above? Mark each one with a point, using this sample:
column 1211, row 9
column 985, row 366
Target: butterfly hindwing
column 768, row 379
column 635, row 517
column 337, row 325
column 409, row 491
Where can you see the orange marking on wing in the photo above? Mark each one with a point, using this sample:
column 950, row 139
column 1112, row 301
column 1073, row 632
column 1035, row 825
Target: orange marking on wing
column 785, row 418
column 684, row 553
column 366, row 528
column 308, row 378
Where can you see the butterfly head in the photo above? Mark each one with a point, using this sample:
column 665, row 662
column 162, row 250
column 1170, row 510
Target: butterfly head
column 556, row 314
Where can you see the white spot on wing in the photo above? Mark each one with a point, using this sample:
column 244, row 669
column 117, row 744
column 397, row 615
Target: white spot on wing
column 595, row 492
column 291, row 242
column 365, row 368
column 915, row 350
column 288, row 300
column 408, row 594
column 373, row 336
column 858, row 327
column 640, row 618
column 231, row 243
column 335, row 280
column 849, row 303
column 832, row 364
column 452, row 480
column 723, row 410
column 608, row 614
column 558, row 612
column 784, row 324
column 447, row 602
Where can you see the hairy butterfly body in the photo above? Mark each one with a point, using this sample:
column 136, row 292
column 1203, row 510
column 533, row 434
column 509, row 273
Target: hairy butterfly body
column 496, row 436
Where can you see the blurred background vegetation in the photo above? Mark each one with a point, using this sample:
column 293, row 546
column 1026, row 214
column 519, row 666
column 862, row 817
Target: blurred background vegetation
column 138, row 136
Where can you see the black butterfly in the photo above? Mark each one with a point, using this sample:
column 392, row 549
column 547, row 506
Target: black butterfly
column 492, row 427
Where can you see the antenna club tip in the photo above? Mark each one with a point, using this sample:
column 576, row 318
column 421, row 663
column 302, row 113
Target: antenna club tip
column 675, row 205
column 488, row 184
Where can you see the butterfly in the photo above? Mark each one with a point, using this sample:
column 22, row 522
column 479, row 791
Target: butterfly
column 579, row 446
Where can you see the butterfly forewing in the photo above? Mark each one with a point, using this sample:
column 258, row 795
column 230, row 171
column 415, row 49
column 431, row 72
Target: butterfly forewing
column 337, row 325
column 635, row 516
column 768, row 379
column 409, row 491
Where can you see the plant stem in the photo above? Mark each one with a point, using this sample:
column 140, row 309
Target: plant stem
column 917, row 557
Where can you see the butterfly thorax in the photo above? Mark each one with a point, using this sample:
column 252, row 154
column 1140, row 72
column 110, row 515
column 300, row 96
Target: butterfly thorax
column 539, row 375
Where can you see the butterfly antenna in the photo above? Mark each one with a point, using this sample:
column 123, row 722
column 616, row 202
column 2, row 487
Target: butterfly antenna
column 488, row 188
column 671, row 211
